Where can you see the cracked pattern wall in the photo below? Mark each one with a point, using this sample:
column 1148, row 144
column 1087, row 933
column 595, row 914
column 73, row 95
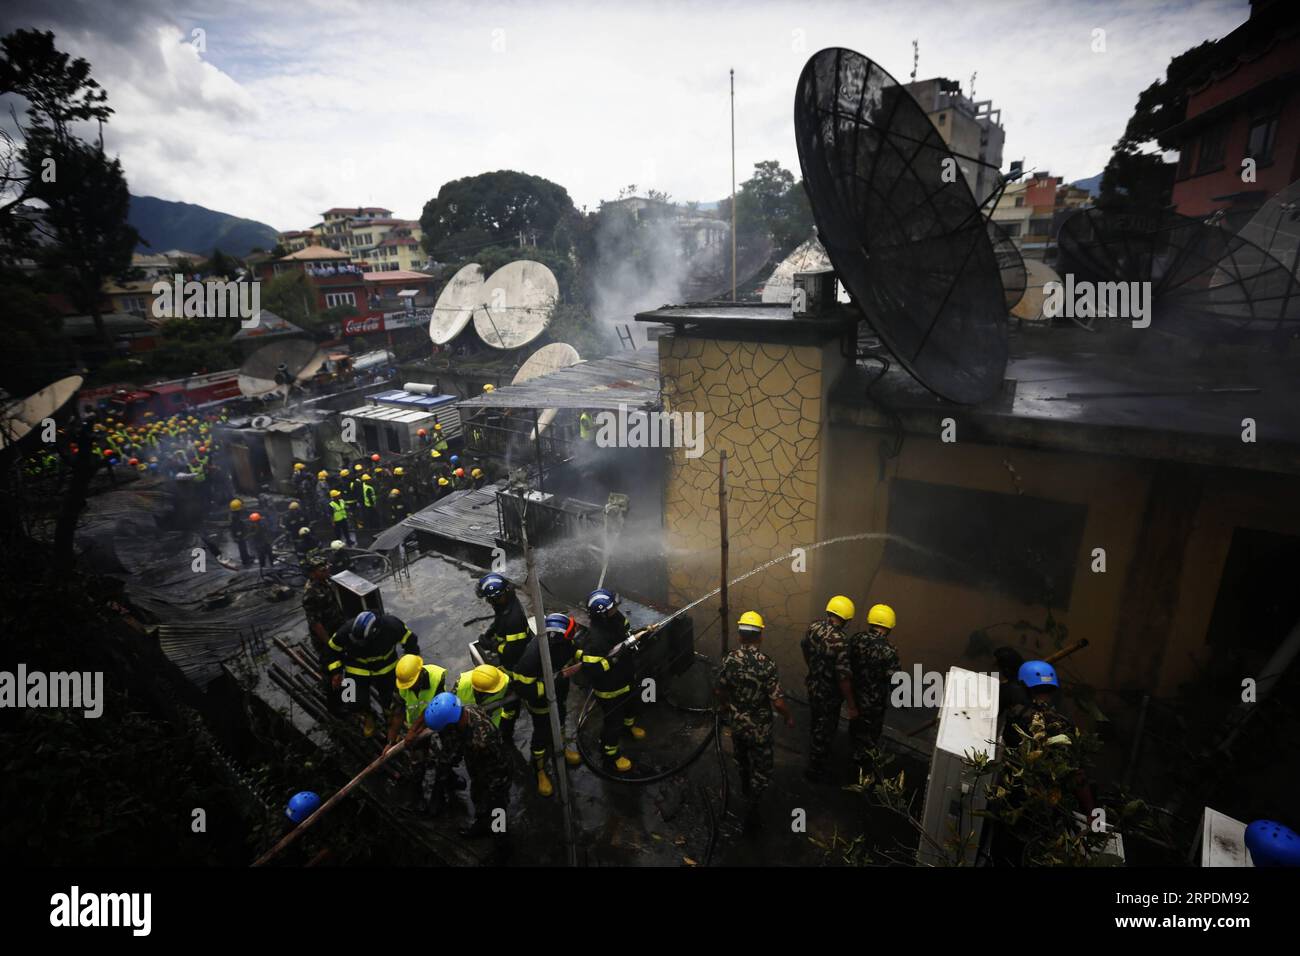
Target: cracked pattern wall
column 763, row 405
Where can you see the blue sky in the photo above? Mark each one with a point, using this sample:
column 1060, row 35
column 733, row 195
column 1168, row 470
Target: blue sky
column 292, row 108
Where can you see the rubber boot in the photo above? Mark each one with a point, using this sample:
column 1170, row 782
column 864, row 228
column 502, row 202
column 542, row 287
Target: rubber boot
column 368, row 725
column 572, row 757
column 617, row 765
column 544, row 788
column 638, row 733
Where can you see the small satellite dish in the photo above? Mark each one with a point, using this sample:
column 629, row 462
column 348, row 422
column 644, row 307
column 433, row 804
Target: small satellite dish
column 456, row 304
column 1276, row 228
column 516, row 304
column 905, row 235
column 1037, row 275
column 261, row 421
column 547, row 359
column 20, row 418
column 267, row 370
column 808, row 256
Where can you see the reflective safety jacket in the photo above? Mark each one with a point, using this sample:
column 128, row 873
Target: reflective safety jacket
column 339, row 509
column 466, row 693
column 389, row 639
column 368, row 495
column 509, row 634
column 414, row 702
column 609, row 677
column 528, row 682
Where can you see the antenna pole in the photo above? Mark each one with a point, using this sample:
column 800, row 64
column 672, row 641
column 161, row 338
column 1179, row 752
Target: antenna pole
column 733, row 197
column 726, row 547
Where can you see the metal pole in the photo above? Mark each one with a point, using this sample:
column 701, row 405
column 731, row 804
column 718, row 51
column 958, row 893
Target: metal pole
column 722, row 517
column 537, row 443
column 548, row 677
column 733, row 220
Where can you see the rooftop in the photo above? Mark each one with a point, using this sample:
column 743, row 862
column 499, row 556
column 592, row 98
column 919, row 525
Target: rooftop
column 745, row 317
column 313, row 253
column 629, row 378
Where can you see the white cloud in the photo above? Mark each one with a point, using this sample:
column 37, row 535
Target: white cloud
column 286, row 98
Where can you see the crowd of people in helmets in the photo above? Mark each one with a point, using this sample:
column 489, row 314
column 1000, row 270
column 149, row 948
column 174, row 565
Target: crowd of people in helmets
column 179, row 446
column 471, row 717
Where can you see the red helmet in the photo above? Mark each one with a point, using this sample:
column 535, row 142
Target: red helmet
column 255, row 517
column 422, row 432
column 460, row 472
column 374, row 458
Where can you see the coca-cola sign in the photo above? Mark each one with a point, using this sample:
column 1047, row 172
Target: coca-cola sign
column 361, row 325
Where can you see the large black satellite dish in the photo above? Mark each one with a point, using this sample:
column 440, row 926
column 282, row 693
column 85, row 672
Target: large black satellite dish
column 1205, row 281
column 905, row 235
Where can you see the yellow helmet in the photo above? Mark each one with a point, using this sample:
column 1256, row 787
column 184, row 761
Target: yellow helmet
column 344, row 473
column 365, row 477
column 443, row 481
column 408, row 671
column 437, row 427
column 236, row 504
column 294, row 506
column 476, row 473
column 357, row 468
column 395, row 492
column 298, row 466
column 751, row 619
column 399, row 470
column 488, row 679
column 841, row 607
column 322, row 474
column 435, row 454
column 883, row 615
column 489, row 387
column 335, row 493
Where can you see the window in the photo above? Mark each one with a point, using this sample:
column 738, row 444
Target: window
column 394, row 442
column 1039, row 227
column 1261, row 138
column 1017, row 545
column 339, row 298
column 1186, row 159
column 1020, row 202
column 943, row 118
column 1213, row 145
column 1012, row 228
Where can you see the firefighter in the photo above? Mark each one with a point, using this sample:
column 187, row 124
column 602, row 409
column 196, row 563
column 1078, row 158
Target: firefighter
column 239, row 531
column 611, row 676
column 306, row 544
column 531, row 690
column 422, row 434
column 417, row 683
column 439, row 440
column 873, row 660
column 294, row 518
column 506, row 638
column 443, row 488
column 366, row 650
column 369, row 500
column 479, row 479
column 484, row 686
column 396, row 509
column 829, row 681
column 261, row 535
column 339, row 513
column 324, row 616
column 464, row 731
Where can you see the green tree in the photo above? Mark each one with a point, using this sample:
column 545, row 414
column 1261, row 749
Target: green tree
column 490, row 208
column 771, row 206
column 1137, row 176
column 85, row 218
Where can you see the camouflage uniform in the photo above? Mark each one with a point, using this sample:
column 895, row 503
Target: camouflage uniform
column 1022, row 715
column 826, row 652
column 320, row 607
column 872, row 659
column 749, row 678
column 486, row 760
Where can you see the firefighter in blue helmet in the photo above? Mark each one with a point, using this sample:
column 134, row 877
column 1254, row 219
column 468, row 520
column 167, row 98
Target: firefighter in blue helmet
column 365, row 650
column 529, row 686
column 505, row 639
column 611, row 676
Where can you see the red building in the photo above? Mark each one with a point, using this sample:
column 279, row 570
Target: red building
column 331, row 274
column 1245, row 106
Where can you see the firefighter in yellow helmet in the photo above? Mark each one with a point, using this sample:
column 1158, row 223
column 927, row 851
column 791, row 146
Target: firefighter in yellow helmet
column 749, row 688
column 239, row 531
column 873, row 659
column 829, row 682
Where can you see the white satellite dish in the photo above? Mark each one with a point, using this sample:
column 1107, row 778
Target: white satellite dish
column 807, row 257
column 1037, row 275
column 20, row 418
column 262, row 421
column 456, row 304
column 547, row 359
column 1276, row 228
column 516, row 304
column 301, row 360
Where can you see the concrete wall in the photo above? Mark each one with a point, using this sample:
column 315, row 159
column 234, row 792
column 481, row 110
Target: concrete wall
column 765, row 405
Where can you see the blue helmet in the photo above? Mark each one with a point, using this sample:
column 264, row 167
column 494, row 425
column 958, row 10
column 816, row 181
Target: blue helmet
column 442, row 710
column 363, row 624
column 302, row 805
column 490, row 585
column 1037, row 673
column 560, row 624
column 1272, row 844
column 455, row 459
column 601, row 601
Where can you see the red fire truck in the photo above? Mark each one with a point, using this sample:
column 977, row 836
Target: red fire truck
column 130, row 402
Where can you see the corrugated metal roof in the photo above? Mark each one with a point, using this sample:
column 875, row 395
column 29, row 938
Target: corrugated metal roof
column 629, row 378
column 400, row 396
column 387, row 413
